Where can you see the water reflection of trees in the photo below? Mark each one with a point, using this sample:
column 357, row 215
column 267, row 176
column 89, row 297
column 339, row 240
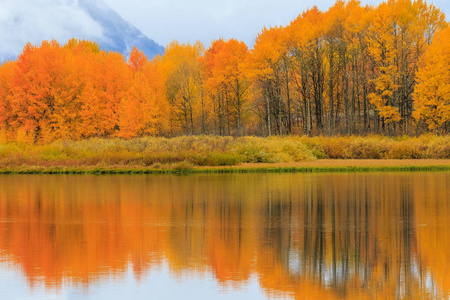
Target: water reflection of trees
column 309, row 236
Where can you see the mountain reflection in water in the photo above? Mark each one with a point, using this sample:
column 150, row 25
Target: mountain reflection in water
column 303, row 236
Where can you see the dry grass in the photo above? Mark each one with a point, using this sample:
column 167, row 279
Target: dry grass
column 336, row 163
column 380, row 147
column 155, row 152
column 185, row 153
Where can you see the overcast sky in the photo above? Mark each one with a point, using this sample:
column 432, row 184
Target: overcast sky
column 23, row 21
column 206, row 20
column 32, row 21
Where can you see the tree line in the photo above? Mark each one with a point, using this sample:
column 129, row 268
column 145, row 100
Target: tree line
column 353, row 69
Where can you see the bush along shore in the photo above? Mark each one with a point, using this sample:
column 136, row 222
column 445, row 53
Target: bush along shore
column 212, row 154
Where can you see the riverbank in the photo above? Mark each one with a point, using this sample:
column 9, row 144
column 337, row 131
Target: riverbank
column 317, row 166
column 213, row 154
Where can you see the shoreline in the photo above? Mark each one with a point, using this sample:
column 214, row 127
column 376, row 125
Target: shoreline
column 315, row 166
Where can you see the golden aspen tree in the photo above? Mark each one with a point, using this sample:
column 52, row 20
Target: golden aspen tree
column 333, row 31
column 343, row 25
column 355, row 28
column 267, row 61
column 215, row 87
column 399, row 34
column 382, row 49
column 432, row 92
column 307, row 50
column 233, row 61
column 181, row 67
column 415, row 23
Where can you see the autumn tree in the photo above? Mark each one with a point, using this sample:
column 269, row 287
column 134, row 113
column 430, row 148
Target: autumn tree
column 135, row 106
column 79, row 56
column 352, row 69
column 7, row 73
column 269, row 63
column 137, row 60
column 415, row 25
column 42, row 100
column 227, row 82
column 215, row 88
column 355, row 29
column 432, row 93
column 182, row 69
column 399, row 34
column 383, row 52
column 159, row 107
column 308, row 63
column 107, row 77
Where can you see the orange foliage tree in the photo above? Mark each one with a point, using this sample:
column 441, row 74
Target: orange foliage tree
column 227, row 83
column 349, row 70
column 77, row 91
column 268, row 63
column 140, row 111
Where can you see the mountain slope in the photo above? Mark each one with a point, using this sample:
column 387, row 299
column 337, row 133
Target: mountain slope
column 119, row 35
column 33, row 21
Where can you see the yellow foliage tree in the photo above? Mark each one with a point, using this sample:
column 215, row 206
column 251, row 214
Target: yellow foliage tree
column 382, row 48
column 182, row 69
column 432, row 93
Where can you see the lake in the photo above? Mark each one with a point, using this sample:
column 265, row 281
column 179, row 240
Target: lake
column 236, row 236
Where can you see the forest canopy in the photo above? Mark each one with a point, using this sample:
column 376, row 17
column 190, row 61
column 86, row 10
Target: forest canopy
column 353, row 69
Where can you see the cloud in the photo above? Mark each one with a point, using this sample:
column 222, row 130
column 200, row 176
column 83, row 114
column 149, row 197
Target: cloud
column 25, row 21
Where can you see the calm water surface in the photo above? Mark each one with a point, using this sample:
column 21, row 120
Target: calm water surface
column 255, row 236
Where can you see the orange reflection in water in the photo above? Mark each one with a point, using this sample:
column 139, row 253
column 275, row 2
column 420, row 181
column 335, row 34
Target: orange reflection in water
column 432, row 210
column 305, row 236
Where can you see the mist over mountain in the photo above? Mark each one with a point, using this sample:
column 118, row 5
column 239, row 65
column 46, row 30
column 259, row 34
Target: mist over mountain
column 25, row 21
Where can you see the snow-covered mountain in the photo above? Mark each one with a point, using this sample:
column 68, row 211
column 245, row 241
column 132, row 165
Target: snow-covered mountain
column 23, row 21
